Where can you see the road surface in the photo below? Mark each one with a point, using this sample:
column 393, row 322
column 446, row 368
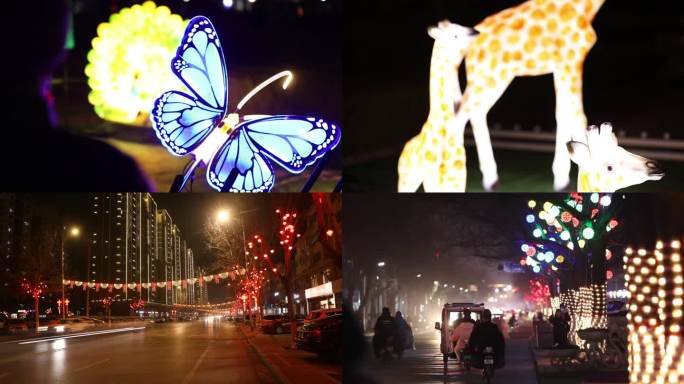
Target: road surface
column 425, row 365
column 189, row 352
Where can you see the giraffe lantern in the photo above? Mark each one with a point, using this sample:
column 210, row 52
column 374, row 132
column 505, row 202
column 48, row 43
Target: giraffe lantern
column 535, row 38
column 436, row 156
column 606, row 167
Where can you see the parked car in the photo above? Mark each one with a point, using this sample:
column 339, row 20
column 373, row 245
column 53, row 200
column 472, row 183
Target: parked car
column 12, row 326
column 320, row 314
column 322, row 336
column 275, row 324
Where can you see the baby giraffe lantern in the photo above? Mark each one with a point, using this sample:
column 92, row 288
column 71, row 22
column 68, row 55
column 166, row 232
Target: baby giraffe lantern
column 436, row 156
column 606, row 167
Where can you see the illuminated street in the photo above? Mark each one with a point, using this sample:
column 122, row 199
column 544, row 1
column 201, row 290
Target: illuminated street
column 187, row 352
column 425, row 365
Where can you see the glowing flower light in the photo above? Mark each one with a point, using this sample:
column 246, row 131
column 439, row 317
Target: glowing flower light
column 126, row 64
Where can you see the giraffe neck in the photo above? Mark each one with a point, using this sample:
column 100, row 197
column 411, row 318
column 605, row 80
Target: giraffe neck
column 589, row 182
column 444, row 86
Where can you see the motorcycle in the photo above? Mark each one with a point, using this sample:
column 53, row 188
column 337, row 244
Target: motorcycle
column 383, row 347
column 465, row 357
column 488, row 362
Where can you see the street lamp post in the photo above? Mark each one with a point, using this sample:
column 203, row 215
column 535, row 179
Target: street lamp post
column 74, row 232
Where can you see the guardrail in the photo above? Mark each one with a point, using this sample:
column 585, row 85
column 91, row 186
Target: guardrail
column 542, row 141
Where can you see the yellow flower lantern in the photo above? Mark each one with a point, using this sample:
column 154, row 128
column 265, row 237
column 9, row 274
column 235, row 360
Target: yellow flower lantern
column 128, row 64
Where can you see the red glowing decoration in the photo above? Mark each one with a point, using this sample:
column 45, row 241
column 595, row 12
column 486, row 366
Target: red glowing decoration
column 566, row 217
column 609, row 274
column 539, row 293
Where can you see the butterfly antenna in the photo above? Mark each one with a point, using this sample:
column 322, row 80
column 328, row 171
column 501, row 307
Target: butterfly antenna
column 288, row 79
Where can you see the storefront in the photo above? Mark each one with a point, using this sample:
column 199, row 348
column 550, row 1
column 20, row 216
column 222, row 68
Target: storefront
column 324, row 296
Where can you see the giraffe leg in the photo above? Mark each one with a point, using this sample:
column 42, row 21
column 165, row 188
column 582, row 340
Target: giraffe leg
column 479, row 104
column 410, row 165
column 570, row 120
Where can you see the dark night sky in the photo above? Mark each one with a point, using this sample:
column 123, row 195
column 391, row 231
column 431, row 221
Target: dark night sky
column 188, row 211
column 473, row 232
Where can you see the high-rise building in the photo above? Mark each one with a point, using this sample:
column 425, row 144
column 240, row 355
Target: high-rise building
column 134, row 243
column 165, row 246
column 189, row 273
column 15, row 234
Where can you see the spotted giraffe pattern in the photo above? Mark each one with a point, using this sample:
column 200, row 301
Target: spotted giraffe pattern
column 436, row 157
column 534, row 38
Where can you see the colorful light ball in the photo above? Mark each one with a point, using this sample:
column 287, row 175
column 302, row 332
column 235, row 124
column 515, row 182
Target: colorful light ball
column 588, row 233
column 594, row 198
column 537, row 232
column 530, row 219
column 609, row 274
column 536, row 269
column 609, row 254
column 566, row 217
column 613, row 223
column 565, row 235
column 605, row 200
column 531, row 203
column 560, row 259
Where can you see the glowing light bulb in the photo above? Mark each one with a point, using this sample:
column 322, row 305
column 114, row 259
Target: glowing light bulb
column 588, row 233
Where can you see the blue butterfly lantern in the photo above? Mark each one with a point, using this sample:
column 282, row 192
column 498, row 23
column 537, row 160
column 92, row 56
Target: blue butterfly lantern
column 237, row 150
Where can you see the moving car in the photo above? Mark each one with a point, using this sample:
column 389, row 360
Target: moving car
column 451, row 313
column 322, row 336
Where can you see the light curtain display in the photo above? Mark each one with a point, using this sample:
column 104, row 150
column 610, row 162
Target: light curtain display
column 125, row 63
column 655, row 283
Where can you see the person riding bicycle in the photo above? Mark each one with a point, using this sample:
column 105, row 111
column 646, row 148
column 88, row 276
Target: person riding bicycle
column 385, row 328
column 462, row 331
column 487, row 334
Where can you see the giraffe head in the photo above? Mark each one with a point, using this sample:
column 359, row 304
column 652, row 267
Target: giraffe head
column 605, row 166
column 453, row 37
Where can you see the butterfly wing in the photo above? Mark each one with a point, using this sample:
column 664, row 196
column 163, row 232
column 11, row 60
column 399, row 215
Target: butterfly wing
column 200, row 64
column 293, row 142
column 238, row 166
column 182, row 122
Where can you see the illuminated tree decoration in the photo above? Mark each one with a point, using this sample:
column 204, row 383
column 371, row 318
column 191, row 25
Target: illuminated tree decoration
column 563, row 239
column 606, row 167
column 125, row 64
column 237, row 151
column 655, row 282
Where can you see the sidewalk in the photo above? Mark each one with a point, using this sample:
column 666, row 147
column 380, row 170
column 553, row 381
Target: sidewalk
column 291, row 366
column 584, row 374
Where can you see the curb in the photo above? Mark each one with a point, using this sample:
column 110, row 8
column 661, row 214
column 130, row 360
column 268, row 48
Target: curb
column 277, row 374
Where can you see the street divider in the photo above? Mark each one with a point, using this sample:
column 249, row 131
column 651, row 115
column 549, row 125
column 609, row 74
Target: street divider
column 82, row 334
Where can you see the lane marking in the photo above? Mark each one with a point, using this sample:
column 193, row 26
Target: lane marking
column 190, row 374
column 84, row 334
column 91, row 365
